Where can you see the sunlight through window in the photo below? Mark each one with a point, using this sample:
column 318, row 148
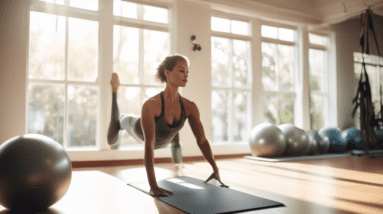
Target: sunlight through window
column 230, row 26
column 85, row 4
column 231, row 81
column 183, row 183
column 140, row 11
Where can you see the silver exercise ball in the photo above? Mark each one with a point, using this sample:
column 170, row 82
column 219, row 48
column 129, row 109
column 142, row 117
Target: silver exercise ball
column 35, row 173
column 314, row 139
column 267, row 140
column 297, row 142
column 324, row 145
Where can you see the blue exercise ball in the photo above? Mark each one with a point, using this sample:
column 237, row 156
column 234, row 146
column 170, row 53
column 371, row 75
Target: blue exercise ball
column 297, row 142
column 267, row 140
column 35, row 173
column 379, row 136
column 337, row 144
column 352, row 138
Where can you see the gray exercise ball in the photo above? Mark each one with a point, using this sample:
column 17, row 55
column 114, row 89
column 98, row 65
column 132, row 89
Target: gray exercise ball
column 314, row 139
column 267, row 140
column 324, row 146
column 297, row 142
column 35, row 172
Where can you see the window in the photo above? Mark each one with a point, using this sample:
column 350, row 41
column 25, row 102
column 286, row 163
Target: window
column 318, row 75
column 278, row 70
column 374, row 66
column 137, row 52
column 63, row 90
column 229, row 26
column 231, row 81
column 132, row 10
column 83, row 4
column 64, row 84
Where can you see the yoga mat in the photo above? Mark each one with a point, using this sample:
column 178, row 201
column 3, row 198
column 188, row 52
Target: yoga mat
column 193, row 196
column 298, row 158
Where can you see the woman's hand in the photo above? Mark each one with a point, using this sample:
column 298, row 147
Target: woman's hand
column 158, row 192
column 215, row 175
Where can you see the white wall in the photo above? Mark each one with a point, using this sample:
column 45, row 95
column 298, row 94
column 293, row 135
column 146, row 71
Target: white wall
column 13, row 64
column 347, row 42
column 194, row 19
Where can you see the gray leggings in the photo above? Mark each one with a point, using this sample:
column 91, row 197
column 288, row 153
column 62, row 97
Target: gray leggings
column 130, row 123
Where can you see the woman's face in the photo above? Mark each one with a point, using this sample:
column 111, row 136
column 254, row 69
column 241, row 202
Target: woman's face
column 179, row 75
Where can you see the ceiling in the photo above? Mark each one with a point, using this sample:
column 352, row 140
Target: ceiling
column 328, row 11
column 312, row 12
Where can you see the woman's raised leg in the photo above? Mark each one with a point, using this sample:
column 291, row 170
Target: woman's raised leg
column 114, row 125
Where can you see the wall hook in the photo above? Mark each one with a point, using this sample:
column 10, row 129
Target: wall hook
column 195, row 45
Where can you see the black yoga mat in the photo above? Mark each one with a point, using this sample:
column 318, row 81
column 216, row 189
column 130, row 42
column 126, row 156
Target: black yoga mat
column 193, row 196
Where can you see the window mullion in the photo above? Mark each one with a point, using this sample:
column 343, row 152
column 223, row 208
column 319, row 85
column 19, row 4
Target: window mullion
column 65, row 137
column 278, row 82
column 231, row 94
column 277, row 68
column 141, row 63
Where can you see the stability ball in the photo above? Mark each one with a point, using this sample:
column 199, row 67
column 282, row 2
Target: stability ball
column 352, row 138
column 297, row 142
column 337, row 145
column 379, row 136
column 323, row 143
column 267, row 140
column 314, row 139
column 35, row 172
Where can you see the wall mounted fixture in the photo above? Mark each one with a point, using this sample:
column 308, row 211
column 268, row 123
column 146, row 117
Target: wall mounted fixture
column 195, row 46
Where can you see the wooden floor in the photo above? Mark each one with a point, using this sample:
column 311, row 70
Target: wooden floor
column 335, row 185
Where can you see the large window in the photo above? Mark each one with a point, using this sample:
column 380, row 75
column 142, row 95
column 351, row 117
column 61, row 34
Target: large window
column 137, row 52
column 318, row 75
column 62, row 75
column 64, row 84
column 278, row 70
column 374, row 66
column 231, row 80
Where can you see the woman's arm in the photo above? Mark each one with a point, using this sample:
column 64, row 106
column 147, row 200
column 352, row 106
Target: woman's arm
column 148, row 128
column 149, row 110
column 197, row 128
column 203, row 144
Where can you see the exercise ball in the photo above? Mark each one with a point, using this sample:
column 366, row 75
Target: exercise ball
column 379, row 137
column 267, row 140
column 297, row 142
column 314, row 139
column 337, row 145
column 35, row 172
column 352, row 138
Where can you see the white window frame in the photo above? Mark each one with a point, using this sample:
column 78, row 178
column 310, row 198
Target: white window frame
column 231, row 89
column 106, row 19
column 67, row 12
column 296, row 61
column 325, row 92
column 142, row 25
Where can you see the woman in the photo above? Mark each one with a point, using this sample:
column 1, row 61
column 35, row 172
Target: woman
column 162, row 116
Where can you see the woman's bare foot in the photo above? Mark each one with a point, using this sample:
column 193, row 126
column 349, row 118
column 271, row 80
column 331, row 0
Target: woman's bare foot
column 115, row 82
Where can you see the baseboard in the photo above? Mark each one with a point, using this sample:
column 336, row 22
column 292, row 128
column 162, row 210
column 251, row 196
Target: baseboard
column 108, row 163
